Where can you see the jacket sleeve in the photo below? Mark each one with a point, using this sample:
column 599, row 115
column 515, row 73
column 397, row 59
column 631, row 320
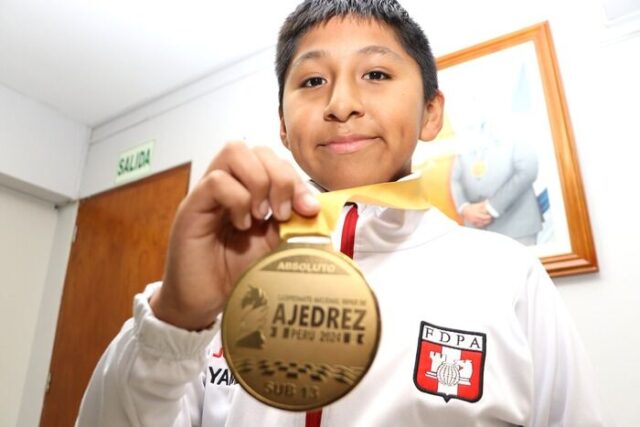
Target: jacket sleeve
column 457, row 191
column 150, row 375
column 564, row 391
column 525, row 172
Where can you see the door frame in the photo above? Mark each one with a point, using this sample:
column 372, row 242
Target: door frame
column 36, row 379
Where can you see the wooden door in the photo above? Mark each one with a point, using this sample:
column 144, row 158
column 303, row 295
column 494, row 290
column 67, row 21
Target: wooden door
column 120, row 246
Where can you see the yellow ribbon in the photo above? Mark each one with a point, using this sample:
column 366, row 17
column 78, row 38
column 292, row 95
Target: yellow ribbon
column 407, row 194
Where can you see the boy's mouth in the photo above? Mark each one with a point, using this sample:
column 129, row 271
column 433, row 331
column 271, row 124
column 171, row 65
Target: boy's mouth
column 349, row 143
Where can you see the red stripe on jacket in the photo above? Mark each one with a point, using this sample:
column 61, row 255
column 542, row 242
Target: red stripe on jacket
column 347, row 242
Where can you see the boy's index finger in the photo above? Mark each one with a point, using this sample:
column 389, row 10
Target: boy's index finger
column 283, row 181
column 221, row 159
column 240, row 161
column 247, row 167
column 288, row 183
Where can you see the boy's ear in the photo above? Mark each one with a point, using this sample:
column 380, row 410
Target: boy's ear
column 433, row 117
column 283, row 130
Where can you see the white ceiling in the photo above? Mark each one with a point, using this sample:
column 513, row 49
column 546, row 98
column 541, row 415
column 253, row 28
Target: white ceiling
column 93, row 60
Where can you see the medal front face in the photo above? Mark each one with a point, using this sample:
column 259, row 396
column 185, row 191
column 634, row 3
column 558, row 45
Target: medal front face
column 301, row 328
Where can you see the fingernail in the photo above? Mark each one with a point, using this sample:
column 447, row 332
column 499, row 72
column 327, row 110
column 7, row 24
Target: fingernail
column 310, row 201
column 285, row 210
column 263, row 209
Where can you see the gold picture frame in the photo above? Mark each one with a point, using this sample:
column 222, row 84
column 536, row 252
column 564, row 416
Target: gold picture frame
column 568, row 248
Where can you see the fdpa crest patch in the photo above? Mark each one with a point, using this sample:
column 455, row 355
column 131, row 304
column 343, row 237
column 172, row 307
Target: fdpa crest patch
column 450, row 362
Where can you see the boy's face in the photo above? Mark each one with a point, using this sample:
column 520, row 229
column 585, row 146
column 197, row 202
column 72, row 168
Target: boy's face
column 353, row 105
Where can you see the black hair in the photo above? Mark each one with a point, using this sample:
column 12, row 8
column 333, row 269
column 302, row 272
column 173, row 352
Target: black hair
column 310, row 13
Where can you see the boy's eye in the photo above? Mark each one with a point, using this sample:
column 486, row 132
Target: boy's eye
column 313, row 82
column 376, row 75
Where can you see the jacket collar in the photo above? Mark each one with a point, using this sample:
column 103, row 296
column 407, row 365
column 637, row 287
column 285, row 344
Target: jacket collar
column 381, row 229
column 386, row 230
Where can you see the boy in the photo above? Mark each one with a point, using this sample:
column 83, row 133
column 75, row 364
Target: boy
column 358, row 88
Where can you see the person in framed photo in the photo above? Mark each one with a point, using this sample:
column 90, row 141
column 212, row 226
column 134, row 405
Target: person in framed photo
column 492, row 185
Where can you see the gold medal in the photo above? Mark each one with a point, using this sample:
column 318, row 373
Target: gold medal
column 301, row 327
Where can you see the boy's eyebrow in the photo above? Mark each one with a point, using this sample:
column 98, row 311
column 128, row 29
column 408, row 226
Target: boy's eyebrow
column 367, row 50
column 312, row 54
column 381, row 50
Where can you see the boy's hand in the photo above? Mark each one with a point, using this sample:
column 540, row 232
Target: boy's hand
column 220, row 229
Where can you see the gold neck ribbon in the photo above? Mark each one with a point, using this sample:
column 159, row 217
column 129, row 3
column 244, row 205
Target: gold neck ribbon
column 407, row 194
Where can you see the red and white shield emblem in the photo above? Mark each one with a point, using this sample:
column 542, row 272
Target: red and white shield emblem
column 450, row 362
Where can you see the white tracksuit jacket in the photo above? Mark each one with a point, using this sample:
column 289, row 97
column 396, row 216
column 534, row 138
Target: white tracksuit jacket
column 473, row 334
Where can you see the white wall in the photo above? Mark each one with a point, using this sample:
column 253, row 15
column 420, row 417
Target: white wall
column 602, row 90
column 244, row 106
column 43, row 152
column 32, row 397
column 27, row 227
column 605, row 306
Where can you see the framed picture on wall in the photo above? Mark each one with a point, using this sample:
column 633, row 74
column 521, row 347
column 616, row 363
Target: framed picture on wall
column 505, row 160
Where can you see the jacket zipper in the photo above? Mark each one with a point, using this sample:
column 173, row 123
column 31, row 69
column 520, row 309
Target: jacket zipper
column 347, row 242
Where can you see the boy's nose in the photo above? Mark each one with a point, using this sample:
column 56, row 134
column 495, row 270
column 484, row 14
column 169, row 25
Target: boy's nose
column 344, row 102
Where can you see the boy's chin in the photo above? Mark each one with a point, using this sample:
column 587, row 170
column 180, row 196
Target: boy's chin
column 340, row 182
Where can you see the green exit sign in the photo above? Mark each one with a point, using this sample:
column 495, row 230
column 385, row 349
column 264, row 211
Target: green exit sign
column 134, row 163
